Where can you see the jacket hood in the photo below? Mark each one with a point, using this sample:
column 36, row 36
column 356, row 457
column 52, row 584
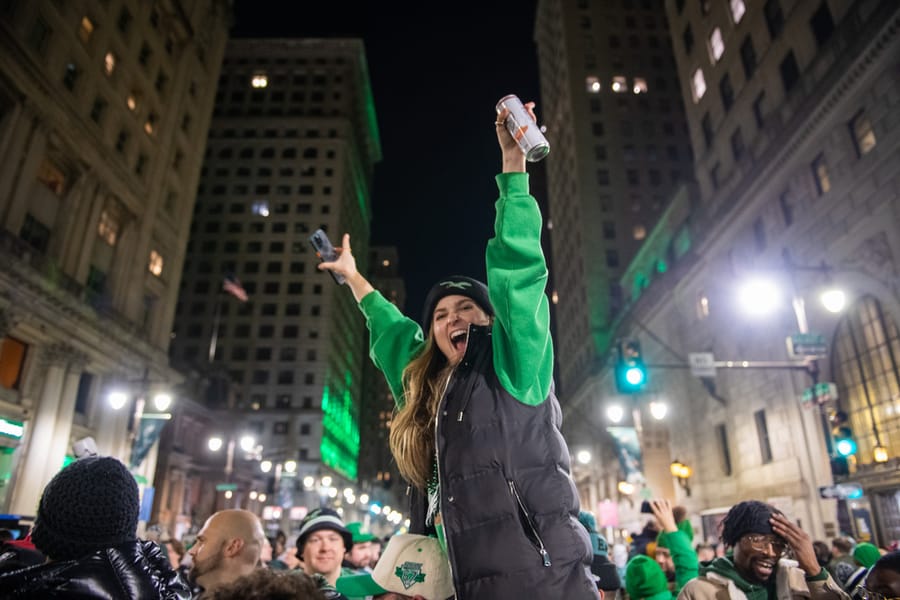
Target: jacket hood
column 645, row 580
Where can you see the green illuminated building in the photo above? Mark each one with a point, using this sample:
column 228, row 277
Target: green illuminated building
column 292, row 148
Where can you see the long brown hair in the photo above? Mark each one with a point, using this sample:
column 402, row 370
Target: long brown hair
column 412, row 428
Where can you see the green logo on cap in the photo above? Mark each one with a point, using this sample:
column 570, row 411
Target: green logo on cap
column 460, row 285
column 410, row 573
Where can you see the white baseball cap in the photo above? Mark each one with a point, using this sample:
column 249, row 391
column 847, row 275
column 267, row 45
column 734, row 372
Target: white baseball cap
column 413, row 565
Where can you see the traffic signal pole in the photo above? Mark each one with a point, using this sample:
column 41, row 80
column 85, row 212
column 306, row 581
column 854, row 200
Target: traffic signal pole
column 811, row 368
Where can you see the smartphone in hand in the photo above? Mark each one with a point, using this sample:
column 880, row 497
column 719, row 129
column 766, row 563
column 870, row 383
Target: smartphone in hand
column 325, row 251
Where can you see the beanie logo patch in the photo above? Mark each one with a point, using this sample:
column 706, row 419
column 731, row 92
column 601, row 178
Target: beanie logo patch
column 458, row 285
column 410, row 573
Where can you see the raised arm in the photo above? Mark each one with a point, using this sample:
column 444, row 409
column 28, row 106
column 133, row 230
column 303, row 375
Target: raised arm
column 517, row 277
column 393, row 338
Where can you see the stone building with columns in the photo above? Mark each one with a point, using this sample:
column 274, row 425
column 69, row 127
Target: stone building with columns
column 104, row 109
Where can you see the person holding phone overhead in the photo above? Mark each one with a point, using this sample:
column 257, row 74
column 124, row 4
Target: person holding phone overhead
column 476, row 430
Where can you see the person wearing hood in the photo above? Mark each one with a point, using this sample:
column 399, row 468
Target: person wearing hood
column 86, row 526
column 605, row 572
column 759, row 536
column 646, row 578
column 477, row 430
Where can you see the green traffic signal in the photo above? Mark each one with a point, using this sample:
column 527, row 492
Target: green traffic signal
column 635, row 375
column 844, row 444
column 631, row 372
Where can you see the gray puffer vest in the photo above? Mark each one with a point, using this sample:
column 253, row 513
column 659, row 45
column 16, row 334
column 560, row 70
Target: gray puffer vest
column 508, row 503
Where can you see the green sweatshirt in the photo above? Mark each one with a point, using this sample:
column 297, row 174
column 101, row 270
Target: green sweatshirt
column 683, row 557
column 517, row 277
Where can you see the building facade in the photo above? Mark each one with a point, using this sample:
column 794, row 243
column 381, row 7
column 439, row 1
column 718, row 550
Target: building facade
column 291, row 149
column 612, row 106
column 792, row 110
column 103, row 107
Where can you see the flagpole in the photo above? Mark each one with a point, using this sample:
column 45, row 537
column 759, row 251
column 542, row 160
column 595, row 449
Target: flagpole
column 217, row 315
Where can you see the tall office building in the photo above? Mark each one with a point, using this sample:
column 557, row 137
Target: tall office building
column 793, row 110
column 291, row 149
column 612, row 104
column 103, row 111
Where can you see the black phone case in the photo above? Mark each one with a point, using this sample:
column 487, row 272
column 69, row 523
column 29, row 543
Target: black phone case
column 325, row 251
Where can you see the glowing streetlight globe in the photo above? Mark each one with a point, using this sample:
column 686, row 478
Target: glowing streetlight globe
column 117, row 399
column 583, row 456
column 659, row 410
column 759, row 297
column 833, row 300
column 162, row 402
column 615, row 413
column 215, row 444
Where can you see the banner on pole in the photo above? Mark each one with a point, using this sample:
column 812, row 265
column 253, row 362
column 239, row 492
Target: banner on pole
column 629, row 450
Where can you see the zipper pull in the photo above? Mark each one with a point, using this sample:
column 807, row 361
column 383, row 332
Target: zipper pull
column 546, row 557
column 459, row 417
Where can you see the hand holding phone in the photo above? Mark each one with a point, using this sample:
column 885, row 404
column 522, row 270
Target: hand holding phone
column 326, row 252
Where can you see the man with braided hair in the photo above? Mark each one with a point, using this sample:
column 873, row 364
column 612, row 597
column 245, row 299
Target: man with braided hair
column 758, row 537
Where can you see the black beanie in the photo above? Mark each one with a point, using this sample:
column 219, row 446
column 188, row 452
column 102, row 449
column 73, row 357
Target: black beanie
column 456, row 285
column 748, row 516
column 90, row 505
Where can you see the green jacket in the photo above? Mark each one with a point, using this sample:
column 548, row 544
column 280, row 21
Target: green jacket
column 683, row 556
column 517, row 277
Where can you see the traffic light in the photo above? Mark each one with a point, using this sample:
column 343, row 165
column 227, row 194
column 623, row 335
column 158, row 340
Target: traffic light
column 631, row 372
column 844, row 443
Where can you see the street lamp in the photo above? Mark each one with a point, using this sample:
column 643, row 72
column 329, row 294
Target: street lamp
column 144, row 427
column 247, row 444
column 760, row 296
column 682, row 473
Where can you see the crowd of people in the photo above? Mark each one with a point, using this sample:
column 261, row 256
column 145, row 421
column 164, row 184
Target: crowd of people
column 761, row 555
column 83, row 545
column 494, row 510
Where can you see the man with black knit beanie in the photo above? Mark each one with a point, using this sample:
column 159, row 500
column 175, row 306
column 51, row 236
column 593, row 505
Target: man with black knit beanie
column 85, row 524
column 759, row 539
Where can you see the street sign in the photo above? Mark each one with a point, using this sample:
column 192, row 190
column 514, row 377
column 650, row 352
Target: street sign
column 803, row 345
column 841, row 491
column 226, row 487
column 825, row 391
column 703, row 364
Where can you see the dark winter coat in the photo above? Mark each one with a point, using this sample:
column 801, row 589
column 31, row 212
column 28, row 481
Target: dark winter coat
column 133, row 571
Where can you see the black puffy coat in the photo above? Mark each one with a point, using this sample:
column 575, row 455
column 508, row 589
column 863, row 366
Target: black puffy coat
column 133, row 571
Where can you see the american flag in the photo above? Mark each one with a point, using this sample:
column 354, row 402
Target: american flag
column 233, row 286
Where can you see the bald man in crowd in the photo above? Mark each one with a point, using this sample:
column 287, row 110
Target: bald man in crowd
column 228, row 547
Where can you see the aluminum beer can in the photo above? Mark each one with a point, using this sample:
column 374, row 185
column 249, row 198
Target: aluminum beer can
column 523, row 129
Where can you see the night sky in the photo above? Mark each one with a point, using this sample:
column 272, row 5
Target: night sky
column 437, row 70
